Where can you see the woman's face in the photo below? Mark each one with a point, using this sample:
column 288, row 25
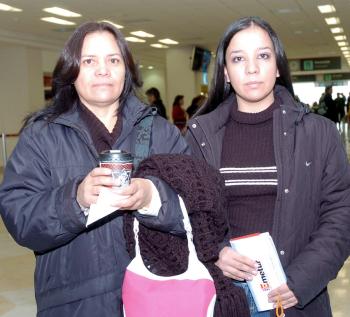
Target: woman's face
column 251, row 68
column 102, row 72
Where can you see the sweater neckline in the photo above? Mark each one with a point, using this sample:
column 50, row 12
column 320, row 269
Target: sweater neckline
column 253, row 118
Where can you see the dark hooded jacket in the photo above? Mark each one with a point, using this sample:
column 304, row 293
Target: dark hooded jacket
column 79, row 271
column 311, row 222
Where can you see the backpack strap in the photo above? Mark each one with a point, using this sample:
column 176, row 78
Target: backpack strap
column 143, row 138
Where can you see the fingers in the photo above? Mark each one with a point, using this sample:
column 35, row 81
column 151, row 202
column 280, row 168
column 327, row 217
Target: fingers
column 236, row 266
column 284, row 295
column 137, row 195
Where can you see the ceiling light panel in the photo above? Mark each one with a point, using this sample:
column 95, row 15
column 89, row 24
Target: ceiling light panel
column 57, row 21
column 345, row 48
column 62, row 12
column 168, row 41
column 118, row 26
column 332, row 20
column 141, row 34
column 326, row 8
column 158, row 45
column 5, row 7
column 135, row 39
column 340, row 37
column 337, row 30
column 343, row 43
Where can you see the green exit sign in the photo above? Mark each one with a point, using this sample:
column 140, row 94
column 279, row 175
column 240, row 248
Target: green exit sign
column 308, row 64
column 327, row 77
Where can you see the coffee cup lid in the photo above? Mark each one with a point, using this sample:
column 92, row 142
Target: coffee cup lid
column 115, row 156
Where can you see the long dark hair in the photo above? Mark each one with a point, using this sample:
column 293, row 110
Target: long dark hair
column 219, row 89
column 64, row 94
column 177, row 100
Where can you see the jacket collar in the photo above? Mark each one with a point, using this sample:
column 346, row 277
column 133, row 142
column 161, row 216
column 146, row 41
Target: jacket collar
column 133, row 110
column 217, row 119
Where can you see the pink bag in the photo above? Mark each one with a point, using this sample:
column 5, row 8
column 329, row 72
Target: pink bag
column 190, row 294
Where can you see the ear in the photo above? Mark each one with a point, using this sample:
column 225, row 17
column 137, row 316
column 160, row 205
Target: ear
column 227, row 78
column 277, row 74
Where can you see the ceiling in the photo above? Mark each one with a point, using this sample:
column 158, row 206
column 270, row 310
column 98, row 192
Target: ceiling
column 300, row 25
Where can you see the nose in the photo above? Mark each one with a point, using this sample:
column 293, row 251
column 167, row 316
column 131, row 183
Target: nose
column 252, row 67
column 102, row 69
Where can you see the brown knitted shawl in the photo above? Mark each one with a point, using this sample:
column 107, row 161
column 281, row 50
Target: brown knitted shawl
column 202, row 190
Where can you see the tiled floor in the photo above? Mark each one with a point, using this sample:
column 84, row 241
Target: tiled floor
column 17, row 267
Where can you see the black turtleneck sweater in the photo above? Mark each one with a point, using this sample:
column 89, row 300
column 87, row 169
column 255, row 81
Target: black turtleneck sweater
column 249, row 169
column 101, row 137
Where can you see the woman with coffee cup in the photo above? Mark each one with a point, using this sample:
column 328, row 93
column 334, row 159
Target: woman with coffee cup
column 285, row 169
column 51, row 179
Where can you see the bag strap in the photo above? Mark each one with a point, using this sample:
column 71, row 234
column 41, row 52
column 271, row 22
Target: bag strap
column 143, row 138
column 187, row 226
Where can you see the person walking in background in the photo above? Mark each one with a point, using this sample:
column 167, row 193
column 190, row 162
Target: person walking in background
column 154, row 100
column 178, row 113
column 51, row 178
column 196, row 103
column 340, row 102
column 285, row 169
column 332, row 110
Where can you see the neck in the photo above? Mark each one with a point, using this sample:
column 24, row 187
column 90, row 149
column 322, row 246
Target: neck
column 254, row 107
column 107, row 115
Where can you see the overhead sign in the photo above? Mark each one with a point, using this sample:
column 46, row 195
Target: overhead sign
column 336, row 76
column 303, row 78
column 320, row 63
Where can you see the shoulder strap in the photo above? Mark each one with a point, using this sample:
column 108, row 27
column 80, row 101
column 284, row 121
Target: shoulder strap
column 143, row 138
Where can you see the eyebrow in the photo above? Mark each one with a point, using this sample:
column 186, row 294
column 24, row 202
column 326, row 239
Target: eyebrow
column 259, row 49
column 109, row 55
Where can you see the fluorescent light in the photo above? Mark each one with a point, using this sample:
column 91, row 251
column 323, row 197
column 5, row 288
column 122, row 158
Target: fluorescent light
column 134, row 39
column 118, row 26
column 343, row 43
column 62, row 12
column 345, row 48
column 326, row 8
column 332, row 20
column 337, row 30
column 5, row 7
column 150, row 67
column 158, row 45
column 141, row 34
column 57, row 21
column 168, row 41
column 340, row 37
column 140, row 66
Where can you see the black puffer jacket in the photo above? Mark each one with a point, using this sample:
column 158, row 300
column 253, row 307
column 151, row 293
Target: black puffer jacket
column 312, row 212
column 78, row 271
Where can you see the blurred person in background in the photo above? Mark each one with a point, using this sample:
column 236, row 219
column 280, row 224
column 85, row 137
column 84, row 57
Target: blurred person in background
column 178, row 113
column 154, row 100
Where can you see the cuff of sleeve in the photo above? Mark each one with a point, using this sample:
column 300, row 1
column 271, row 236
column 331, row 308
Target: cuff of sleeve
column 154, row 206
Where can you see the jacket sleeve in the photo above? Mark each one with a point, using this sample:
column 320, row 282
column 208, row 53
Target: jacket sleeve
column 37, row 215
column 169, row 218
column 329, row 245
column 166, row 138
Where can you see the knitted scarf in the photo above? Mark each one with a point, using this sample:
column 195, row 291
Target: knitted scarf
column 202, row 189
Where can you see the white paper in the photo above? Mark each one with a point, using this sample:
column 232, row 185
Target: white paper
column 103, row 207
column 270, row 275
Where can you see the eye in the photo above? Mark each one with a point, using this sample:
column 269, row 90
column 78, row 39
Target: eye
column 264, row 55
column 88, row 61
column 114, row 60
column 237, row 59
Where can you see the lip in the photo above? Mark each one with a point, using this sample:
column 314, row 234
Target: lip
column 101, row 84
column 253, row 83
